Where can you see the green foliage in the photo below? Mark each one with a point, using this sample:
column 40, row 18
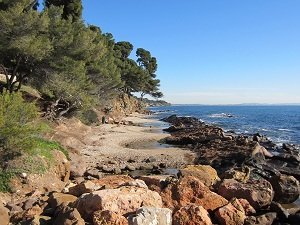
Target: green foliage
column 23, row 41
column 89, row 117
column 4, row 180
column 17, row 126
column 71, row 8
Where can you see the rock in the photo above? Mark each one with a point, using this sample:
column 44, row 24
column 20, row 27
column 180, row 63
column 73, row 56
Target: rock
column 112, row 181
column 130, row 168
column 85, row 187
column 57, row 199
column 135, row 183
column 94, row 173
column 150, row 159
column 265, row 219
column 68, row 216
column 191, row 190
column 151, row 216
column 282, row 213
column 286, row 188
column 29, row 203
column 121, row 200
column 204, row 173
column 117, row 170
column 42, row 220
column 62, row 166
column 229, row 215
column 260, row 150
column 78, row 166
column 107, row 169
column 32, row 212
column 108, row 218
column 241, row 176
column 249, row 210
column 191, row 215
column 13, row 207
column 4, row 217
column 294, row 218
column 258, row 193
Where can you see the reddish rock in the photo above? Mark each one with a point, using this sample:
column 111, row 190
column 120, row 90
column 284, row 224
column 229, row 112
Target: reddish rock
column 259, row 193
column 206, row 174
column 229, row 215
column 121, row 200
column 110, row 182
column 191, row 190
column 82, row 188
column 191, row 215
column 108, row 218
column 57, row 199
column 249, row 210
column 4, row 218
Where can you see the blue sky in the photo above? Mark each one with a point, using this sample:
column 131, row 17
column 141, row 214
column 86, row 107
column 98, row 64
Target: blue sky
column 212, row 51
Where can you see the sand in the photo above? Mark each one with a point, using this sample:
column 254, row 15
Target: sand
column 122, row 143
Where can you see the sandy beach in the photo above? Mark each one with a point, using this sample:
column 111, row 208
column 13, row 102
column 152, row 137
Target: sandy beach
column 119, row 144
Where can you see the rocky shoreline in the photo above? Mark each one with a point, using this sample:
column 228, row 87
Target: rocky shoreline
column 225, row 179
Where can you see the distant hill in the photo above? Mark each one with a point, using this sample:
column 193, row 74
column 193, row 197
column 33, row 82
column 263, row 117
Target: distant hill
column 149, row 102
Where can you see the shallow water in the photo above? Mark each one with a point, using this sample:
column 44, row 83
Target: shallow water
column 280, row 123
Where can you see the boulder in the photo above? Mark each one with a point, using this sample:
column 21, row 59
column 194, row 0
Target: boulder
column 206, row 174
column 191, row 190
column 191, row 215
column 258, row 193
column 108, row 218
column 68, row 216
column 85, row 187
column 121, row 200
column 57, row 199
column 286, row 188
column 62, row 166
column 78, row 166
column 4, row 217
column 151, row 216
column 249, row 210
column 230, row 215
column 265, row 219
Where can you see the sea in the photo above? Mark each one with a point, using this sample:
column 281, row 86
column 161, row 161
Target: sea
column 281, row 123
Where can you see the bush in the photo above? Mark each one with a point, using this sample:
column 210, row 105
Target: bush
column 17, row 122
column 89, row 117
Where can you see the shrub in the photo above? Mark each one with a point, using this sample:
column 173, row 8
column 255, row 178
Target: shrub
column 17, row 122
column 89, row 117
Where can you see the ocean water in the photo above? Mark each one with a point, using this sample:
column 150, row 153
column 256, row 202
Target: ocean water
column 281, row 124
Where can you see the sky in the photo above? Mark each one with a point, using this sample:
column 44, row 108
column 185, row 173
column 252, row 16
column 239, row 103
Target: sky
column 212, row 51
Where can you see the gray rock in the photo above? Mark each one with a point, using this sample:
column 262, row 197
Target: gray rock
column 286, row 188
column 151, row 216
column 265, row 219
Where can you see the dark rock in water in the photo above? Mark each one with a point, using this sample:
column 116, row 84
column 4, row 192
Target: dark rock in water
column 182, row 121
column 259, row 193
column 286, row 188
column 265, row 219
